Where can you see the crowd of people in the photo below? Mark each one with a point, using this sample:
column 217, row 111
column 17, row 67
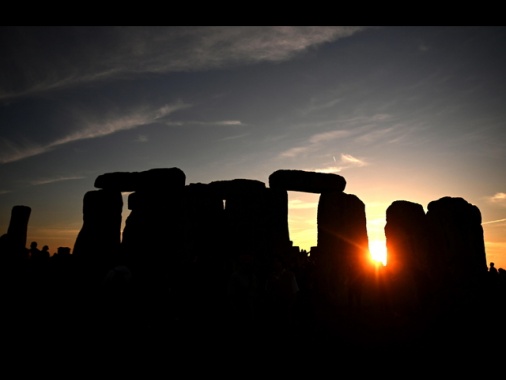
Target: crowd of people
column 241, row 303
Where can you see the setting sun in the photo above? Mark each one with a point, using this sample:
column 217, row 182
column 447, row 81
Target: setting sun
column 378, row 250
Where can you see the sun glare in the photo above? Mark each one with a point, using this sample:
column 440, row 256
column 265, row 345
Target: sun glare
column 378, row 250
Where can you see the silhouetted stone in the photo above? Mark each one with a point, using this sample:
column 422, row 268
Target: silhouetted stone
column 161, row 178
column 342, row 242
column 277, row 219
column 204, row 213
column 153, row 237
column 99, row 239
column 230, row 188
column 152, row 248
column 118, row 181
column 154, row 229
column 408, row 271
column 256, row 218
column 310, row 182
column 18, row 227
column 457, row 247
column 406, row 236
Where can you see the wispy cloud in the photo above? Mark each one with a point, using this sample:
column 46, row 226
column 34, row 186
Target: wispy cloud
column 498, row 199
column 327, row 136
column 11, row 152
column 375, row 135
column 495, row 221
column 299, row 204
column 45, row 181
column 346, row 161
column 92, row 54
column 120, row 123
column 316, row 106
column 327, row 169
column 142, row 139
column 314, row 143
column 293, row 152
column 234, row 137
column 225, row 123
column 359, row 129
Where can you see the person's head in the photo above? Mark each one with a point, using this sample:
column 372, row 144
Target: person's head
column 33, row 244
column 45, row 248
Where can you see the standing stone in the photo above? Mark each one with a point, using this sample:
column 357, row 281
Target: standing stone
column 203, row 220
column 277, row 219
column 154, row 235
column 18, row 228
column 255, row 217
column 457, row 246
column 343, row 243
column 407, row 269
column 98, row 242
column 243, row 210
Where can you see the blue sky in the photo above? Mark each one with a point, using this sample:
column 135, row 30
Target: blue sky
column 402, row 113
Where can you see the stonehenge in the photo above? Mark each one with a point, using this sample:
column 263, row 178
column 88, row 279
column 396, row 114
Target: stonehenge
column 172, row 265
column 171, row 220
column 174, row 225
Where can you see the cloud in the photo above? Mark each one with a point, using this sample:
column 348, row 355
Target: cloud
column 293, row 152
column 495, row 221
column 120, row 123
column 234, row 137
column 498, row 199
column 375, row 135
column 327, row 136
column 327, row 169
column 347, row 161
column 299, row 204
column 320, row 106
column 314, row 143
column 142, row 139
column 11, row 152
column 363, row 129
column 52, row 180
column 216, row 123
column 90, row 54
column 352, row 161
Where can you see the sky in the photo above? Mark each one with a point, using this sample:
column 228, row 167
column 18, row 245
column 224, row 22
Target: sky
column 411, row 113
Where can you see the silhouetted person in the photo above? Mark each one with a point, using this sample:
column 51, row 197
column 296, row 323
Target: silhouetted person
column 493, row 273
column 34, row 250
column 45, row 252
